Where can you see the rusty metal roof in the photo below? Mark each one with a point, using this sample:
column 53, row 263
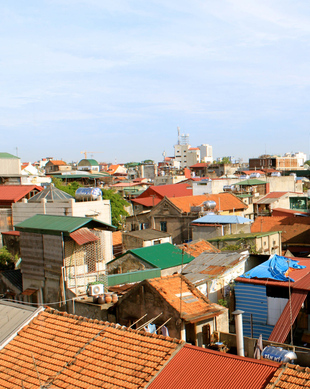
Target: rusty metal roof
column 83, row 236
column 195, row 367
column 283, row 325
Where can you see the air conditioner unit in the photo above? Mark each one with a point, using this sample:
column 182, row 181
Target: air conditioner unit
column 95, row 290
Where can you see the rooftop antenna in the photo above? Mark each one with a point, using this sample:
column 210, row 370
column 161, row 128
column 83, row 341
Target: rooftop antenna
column 164, row 154
column 178, row 128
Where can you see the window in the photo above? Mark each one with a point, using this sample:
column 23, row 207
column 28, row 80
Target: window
column 156, row 242
column 163, row 226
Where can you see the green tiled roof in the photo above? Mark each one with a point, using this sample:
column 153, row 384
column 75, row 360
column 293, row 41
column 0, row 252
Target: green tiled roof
column 253, row 181
column 7, row 155
column 53, row 224
column 163, row 255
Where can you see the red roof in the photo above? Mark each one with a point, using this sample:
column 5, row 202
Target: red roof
column 154, row 194
column 197, row 368
column 13, row 233
column 200, row 165
column 287, row 212
column 275, row 195
column 83, row 236
column 292, row 308
column 13, row 193
column 72, row 351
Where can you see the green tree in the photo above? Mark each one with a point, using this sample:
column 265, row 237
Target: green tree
column 7, row 260
column 70, row 188
column 118, row 205
column 117, row 202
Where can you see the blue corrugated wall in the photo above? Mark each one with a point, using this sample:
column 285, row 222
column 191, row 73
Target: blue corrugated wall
column 252, row 299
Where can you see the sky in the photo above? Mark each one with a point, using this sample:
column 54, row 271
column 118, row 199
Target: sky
column 116, row 78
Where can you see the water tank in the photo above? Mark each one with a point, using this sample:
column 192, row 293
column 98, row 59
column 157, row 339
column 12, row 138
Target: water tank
column 227, row 188
column 210, row 204
column 254, row 175
column 276, row 174
column 88, row 194
column 244, row 177
column 278, row 354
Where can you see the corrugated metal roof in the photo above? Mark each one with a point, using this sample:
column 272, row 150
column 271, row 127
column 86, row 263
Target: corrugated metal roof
column 222, row 219
column 197, row 368
column 208, row 266
column 283, row 325
column 83, row 236
column 253, row 181
column 12, row 316
column 55, row 223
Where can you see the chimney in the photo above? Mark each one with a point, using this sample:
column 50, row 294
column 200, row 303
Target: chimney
column 239, row 331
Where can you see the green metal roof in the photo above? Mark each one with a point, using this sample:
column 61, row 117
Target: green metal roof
column 7, row 155
column 163, row 255
column 244, row 195
column 54, row 224
column 250, row 235
column 253, row 181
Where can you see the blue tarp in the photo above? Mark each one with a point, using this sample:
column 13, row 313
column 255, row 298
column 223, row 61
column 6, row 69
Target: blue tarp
column 274, row 269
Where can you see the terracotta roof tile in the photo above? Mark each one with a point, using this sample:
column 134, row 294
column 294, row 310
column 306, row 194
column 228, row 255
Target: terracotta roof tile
column 224, row 202
column 198, row 247
column 294, row 229
column 290, row 377
column 194, row 304
column 74, row 352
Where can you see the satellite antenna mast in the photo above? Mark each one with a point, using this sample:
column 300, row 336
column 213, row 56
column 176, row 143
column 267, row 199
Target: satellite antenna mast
column 178, row 128
column 164, row 155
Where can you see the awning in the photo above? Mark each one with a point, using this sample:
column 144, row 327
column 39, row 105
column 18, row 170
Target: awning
column 29, row 292
column 282, row 328
column 83, row 235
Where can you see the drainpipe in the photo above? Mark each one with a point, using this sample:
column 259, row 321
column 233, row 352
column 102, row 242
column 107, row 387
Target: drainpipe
column 239, row 332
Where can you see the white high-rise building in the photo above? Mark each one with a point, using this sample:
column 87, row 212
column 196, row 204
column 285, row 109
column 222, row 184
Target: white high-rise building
column 206, row 154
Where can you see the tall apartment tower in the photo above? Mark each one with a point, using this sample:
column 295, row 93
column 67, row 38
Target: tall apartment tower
column 206, row 154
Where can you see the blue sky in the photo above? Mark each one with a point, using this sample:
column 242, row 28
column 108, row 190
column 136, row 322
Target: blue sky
column 118, row 77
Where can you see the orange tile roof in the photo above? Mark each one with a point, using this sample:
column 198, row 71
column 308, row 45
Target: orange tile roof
column 55, row 162
column 294, row 229
column 194, row 306
column 196, row 368
column 224, row 202
column 117, row 237
column 72, row 351
column 198, row 247
column 290, row 377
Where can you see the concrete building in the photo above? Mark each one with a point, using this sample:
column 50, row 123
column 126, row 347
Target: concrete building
column 206, row 154
column 10, row 169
